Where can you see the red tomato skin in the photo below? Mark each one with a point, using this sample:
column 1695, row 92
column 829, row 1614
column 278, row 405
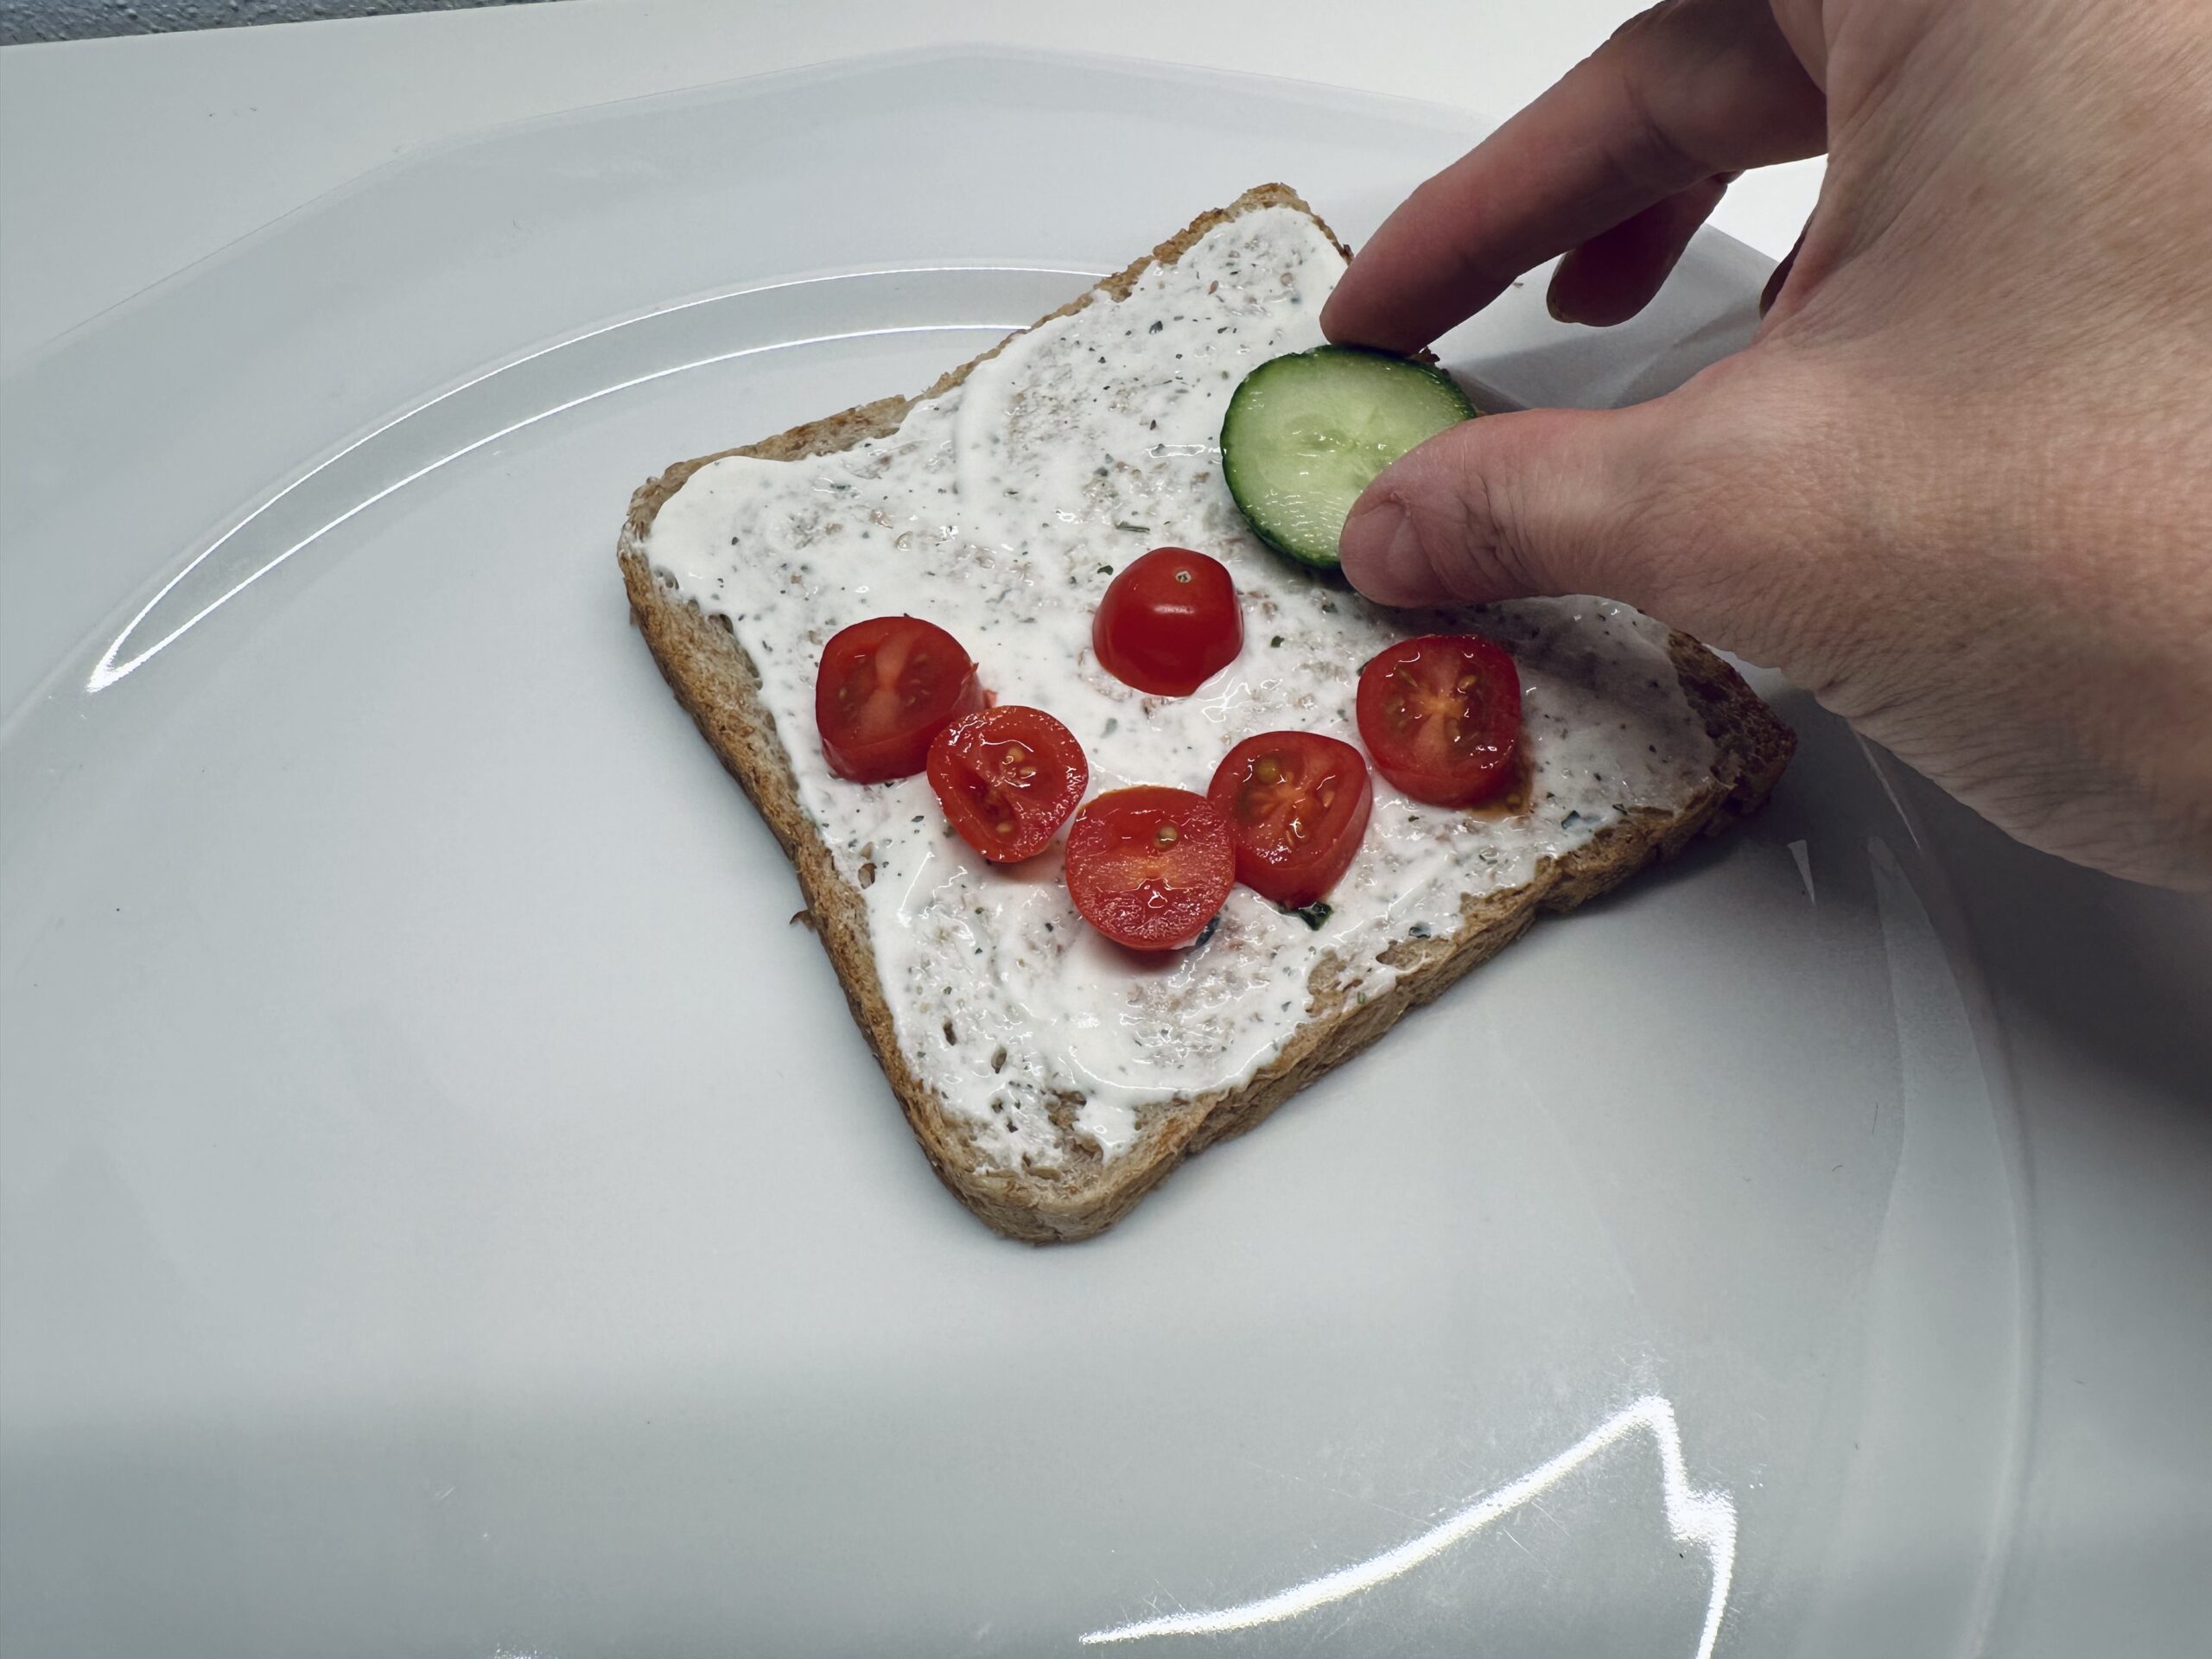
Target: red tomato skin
column 900, row 746
column 1150, row 867
column 1169, row 623
column 976, row 765
column 1416, row 756
column 1295, row 872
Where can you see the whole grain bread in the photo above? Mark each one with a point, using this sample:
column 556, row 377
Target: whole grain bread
column 717, row 682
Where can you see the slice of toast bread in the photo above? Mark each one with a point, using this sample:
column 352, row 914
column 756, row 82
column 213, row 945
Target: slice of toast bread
column 716, row 681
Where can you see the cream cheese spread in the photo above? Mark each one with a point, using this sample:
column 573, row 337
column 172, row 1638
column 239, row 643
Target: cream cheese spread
column 1000, row 512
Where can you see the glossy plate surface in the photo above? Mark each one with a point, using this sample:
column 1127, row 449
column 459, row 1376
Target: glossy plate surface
column 447, row 1209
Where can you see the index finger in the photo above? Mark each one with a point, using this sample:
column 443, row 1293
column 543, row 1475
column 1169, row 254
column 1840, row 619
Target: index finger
column 1682, row 92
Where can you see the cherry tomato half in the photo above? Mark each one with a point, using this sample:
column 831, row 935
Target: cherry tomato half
column 1150, row 867
column 887, row 686
column 1297, row 805
column 1168, row 623
column 1441, row 715
column 1008, row 779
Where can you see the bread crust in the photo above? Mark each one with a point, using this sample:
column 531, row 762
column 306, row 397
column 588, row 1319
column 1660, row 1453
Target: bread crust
column 716, row 682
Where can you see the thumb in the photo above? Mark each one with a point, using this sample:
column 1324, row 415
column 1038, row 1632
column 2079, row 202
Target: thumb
column 1510, row 506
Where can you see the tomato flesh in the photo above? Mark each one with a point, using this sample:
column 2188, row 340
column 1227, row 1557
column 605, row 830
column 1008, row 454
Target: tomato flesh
column 1168, row 623
column 887, row 687
column 1297, row 804
column 1150, row 867
column 1007, row 777
column 1441, row 715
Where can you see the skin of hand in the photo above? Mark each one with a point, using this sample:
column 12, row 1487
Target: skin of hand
column 1960, row 484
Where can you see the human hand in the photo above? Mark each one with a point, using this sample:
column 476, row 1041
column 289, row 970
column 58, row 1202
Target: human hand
column 1960, row 487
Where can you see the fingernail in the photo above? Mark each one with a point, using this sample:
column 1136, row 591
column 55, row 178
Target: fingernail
column 1382, row 555
column 1559, row 313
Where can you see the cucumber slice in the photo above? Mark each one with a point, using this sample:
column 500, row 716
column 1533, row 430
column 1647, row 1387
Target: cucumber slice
column 1306, row 433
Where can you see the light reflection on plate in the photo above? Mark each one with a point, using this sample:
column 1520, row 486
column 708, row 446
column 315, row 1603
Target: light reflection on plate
column 1707, row 1519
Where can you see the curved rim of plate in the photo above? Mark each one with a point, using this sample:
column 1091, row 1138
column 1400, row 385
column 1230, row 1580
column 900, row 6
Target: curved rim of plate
column 1440, row 117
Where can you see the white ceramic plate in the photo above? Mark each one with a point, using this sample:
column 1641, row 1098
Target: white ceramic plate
column 449, row 1210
